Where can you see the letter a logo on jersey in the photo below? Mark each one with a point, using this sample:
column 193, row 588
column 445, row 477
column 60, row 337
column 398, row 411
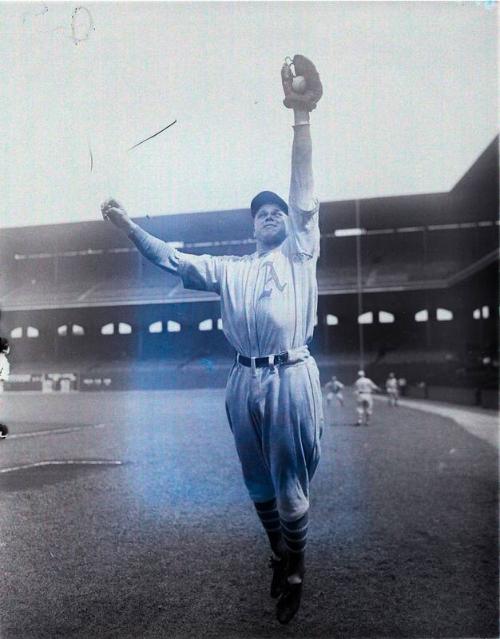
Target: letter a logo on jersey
column 270, row 277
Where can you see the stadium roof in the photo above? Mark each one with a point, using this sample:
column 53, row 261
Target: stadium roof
column 475, row 196
column 472, row 203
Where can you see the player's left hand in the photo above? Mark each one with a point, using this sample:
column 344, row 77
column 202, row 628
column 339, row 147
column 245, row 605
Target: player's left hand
column 308, row 98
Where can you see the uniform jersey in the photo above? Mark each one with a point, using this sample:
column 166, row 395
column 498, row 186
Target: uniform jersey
column 334, row 387
column 268, row 301
column 392, row 384
column 4, row 368
column 268, row 305
column 365, row 386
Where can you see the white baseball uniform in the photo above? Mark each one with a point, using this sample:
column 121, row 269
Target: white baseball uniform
column 4, row 376
column 4, row 368
column 269, row 305
column 364, row 388
column 392, row 388
column 334, row 389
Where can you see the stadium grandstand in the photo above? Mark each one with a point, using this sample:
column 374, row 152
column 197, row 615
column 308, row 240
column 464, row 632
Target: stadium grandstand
column 406, row 283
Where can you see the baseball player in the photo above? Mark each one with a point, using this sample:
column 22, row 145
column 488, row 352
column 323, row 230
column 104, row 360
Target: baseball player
column 364, row 389
column 4, row 375
column 268, row 307
column 333, row 390
column 392, row 388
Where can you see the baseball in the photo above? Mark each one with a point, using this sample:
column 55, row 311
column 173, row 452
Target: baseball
column 299, row 84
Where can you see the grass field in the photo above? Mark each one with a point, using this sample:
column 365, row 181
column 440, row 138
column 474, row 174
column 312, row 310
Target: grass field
column 124, row 515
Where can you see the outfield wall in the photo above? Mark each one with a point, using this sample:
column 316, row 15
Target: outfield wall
column 207, row 374
column 485, row 397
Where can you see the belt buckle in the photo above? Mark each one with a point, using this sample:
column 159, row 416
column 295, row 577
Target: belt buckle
column 282, row 358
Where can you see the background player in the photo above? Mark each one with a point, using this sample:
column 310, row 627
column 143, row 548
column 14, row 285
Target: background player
column 4, row 375
column 333, row 390
column 364, row 388
column 392, row 388
column 268, row 303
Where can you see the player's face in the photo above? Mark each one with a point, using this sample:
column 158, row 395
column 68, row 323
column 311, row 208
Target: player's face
column 270, row 225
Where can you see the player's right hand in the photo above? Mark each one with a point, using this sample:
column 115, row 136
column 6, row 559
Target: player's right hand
column 114, row 212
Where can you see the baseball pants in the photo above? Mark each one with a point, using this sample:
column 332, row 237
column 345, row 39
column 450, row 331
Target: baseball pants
column 365, row 404
column 276, row 416
column 393, row 396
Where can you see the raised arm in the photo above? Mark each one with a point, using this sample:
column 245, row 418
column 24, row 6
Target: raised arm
column 375, row 388
column 302, row 87
column 199, row 272
column 301, row 179
column 155, row 250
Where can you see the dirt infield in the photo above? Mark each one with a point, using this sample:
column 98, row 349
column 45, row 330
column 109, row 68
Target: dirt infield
column 147, row 531
column 477, row 421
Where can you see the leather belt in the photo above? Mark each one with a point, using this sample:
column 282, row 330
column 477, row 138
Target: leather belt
column 262, row 362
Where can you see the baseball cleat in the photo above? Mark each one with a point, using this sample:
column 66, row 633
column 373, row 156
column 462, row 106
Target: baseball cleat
column 289, row 603
column 278, row 582
column 3, row 431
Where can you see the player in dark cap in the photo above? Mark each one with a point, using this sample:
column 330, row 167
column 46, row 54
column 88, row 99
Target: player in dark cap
column 269, row 304
column 267, row 197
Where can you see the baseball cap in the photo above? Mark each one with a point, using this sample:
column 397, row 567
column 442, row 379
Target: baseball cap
column 267, row 197
column 361, row 373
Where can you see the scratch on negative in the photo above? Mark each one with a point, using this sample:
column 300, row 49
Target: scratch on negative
column 152, row 136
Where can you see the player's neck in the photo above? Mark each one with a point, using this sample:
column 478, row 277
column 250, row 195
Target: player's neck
column 267, row 247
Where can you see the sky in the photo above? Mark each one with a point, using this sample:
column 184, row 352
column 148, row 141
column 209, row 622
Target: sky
column 409, row 103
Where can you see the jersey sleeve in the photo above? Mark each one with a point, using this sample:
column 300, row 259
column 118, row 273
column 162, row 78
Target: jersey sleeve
column 200, row 272
column 304, row 229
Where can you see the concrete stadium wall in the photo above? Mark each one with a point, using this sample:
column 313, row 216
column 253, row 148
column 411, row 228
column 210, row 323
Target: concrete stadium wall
column 490, row 398
column 485, row 398
column 463, row 396
column 208, row 374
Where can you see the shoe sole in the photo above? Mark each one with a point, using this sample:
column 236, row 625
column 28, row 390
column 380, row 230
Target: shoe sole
column 293, row 609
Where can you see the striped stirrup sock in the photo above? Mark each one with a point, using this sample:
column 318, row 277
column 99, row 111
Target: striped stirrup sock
column 270, row 518
column 295, row 534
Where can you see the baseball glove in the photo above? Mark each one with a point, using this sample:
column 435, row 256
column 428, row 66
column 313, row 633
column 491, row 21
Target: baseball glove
column 310, row 96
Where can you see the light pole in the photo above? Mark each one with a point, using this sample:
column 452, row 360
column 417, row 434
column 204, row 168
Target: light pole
column 359, row 288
